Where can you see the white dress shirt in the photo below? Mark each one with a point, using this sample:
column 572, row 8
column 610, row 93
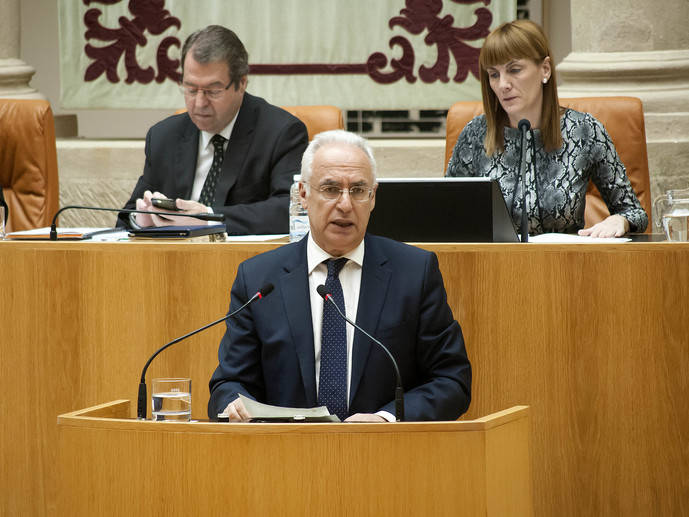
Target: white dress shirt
column 204, row 160
column 350, row 278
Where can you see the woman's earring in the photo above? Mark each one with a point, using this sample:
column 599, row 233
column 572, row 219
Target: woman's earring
column 545, row 80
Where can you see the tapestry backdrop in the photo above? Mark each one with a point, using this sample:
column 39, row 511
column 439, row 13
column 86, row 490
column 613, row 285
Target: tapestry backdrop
column 354, row 54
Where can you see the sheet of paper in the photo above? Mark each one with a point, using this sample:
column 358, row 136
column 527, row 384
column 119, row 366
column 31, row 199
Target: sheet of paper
column 257, row 409
column 568, row 238
column 255, row 238
column 266, row 411
column 44, row 233
column 120, row 235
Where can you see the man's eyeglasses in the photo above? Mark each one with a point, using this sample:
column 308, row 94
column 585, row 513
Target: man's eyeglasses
column 358, row 193
column 210, row 93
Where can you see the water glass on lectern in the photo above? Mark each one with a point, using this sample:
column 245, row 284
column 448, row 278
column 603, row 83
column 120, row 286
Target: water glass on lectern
column 171, row 400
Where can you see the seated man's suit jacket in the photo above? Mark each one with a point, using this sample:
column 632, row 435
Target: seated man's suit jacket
column 4, row 205
column 263, row 155
column 267, row 352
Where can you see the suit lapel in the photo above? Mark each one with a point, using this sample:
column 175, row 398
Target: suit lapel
column 185, row 162
column 237, row 148
column 297, row 304
column 375, row 278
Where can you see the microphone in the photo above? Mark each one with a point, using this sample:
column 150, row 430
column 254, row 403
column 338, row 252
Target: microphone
column 141, row 401
column 202, row 217
column 399, row 392
column 524, row 126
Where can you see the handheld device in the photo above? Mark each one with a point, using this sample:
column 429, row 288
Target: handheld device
column 165, row 204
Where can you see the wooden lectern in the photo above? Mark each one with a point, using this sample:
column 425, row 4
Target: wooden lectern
column 113, row 465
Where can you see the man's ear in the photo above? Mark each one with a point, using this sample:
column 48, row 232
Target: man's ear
column 373, row 197
column 241, row 85
column 303, row 195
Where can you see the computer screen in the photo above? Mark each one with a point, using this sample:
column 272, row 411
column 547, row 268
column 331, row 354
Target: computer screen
column 441, row 210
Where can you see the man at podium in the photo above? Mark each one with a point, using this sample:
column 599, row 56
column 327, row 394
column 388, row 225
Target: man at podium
column 293, row 349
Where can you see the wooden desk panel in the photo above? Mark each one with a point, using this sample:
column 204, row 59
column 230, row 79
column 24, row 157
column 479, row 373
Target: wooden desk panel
column 593, row 337
column 596, row 341
column 292, row 469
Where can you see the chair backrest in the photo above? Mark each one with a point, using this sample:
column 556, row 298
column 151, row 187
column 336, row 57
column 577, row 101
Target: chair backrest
column 315, row 118
column 28, row 163
column 623, row 118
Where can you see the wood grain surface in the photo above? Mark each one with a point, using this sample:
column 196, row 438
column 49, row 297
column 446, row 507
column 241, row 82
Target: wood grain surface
column 125, row 467
column 594, row 338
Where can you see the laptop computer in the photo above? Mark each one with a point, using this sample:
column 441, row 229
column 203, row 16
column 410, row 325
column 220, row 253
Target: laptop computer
column 441, row 210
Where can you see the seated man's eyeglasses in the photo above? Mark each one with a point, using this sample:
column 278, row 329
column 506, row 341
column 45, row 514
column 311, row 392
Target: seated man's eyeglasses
column 358, row 193
column 210, row 93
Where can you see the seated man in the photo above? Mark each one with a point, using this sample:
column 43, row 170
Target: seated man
column 291, row 349
column 230, row 153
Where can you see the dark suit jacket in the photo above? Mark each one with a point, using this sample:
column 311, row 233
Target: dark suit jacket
column 4, row 205
column 267, row 352
column 263, row 154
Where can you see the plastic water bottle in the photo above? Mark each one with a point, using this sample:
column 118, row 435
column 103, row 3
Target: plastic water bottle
column 298, row 216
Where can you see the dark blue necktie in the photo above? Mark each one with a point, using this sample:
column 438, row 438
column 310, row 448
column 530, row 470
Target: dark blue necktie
column 207, row 195
column 332, row 381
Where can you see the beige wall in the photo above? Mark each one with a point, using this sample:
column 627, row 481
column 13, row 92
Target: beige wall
column 557, row 22
column 636, row 25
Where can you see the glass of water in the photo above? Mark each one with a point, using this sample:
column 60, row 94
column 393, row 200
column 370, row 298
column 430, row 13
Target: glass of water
column 171, row 400
column 676, row 225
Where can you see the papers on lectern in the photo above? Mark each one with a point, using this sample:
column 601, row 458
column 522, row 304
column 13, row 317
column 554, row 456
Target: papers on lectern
column 266, row 413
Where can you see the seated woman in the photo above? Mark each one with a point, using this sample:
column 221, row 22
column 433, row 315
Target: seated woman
column 564, row 150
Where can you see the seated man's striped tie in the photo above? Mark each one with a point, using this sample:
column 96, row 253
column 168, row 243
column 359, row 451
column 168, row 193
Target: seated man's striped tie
column 208, row 191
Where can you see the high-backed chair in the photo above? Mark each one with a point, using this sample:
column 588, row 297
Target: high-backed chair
column 315, row 118
column 28, row 163
column 623, row 118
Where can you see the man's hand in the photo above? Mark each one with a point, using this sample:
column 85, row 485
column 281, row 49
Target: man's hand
column 144, row 203
column 612, row 226
column 190, row 207
column 365, row 417
column 236, row 411
column 186, row 206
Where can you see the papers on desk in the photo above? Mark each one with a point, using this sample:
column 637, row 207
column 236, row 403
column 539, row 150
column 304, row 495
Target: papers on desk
column 118, row 234
column 63, row 234
column 256, row 238
column 121, row 234
column 567, row 238
column 266, row 413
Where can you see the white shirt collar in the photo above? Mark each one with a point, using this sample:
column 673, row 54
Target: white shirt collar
column 315, row 255
column 225, row 133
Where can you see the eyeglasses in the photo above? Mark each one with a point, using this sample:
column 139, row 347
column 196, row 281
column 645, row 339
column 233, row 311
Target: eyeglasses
column 211, row 94
column 359, row 193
